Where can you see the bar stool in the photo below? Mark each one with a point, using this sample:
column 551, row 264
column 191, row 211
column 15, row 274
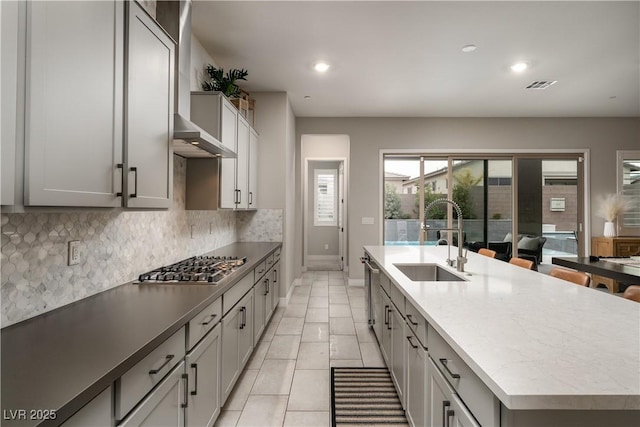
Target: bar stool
column 487, row 252
column 632, row 293
column 577, row 277
column 521, row 262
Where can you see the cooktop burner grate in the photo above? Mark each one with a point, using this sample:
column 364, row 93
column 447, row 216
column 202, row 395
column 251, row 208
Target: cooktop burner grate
column 197, row 269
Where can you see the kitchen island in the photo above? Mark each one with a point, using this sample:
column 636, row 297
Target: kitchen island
column 57, row 362
column 551, row 352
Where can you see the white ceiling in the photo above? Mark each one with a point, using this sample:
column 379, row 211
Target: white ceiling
column 404, row 59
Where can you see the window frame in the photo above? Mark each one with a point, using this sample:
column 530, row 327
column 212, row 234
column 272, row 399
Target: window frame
column 317, row 221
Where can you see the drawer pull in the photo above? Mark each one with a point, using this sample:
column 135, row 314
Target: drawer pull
column 210, row 319
column 445, row 405
column 409, row 317
column 444, row 364
column 411, row 342
column 185, row 377
column 450, row 414
column 166, row 362
column 194, row 366
column 243, row 321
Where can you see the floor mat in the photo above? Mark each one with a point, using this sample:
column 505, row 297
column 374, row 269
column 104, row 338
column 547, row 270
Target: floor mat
column 364, row 396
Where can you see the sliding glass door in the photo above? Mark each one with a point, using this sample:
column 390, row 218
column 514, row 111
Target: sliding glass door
column 537, row 199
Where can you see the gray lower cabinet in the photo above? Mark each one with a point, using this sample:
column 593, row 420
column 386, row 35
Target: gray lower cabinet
column 237, row 342
column 385, row 342
column 164, row 406
column 260, row 297
column 378, row 308
column 275, row 284
column 203, row 368
column 97, row 413
column 444, row 407
column 417, row 359
column 398, row 338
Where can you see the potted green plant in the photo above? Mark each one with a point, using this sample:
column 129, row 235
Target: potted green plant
column 225, row 83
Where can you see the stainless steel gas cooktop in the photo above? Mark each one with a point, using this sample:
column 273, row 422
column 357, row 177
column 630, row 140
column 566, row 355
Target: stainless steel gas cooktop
column 198, row 269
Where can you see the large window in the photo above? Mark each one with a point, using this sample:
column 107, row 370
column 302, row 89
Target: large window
column 545, row 205
column 325, row 204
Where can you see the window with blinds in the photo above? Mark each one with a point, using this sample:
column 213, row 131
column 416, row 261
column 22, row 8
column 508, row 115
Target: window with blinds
column 629, row 187
column 325, row 204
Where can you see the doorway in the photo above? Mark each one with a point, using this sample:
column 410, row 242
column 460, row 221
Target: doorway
column 325, row 194
column 324, row 213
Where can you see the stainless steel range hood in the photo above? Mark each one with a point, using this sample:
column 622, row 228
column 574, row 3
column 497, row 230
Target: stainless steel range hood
column 190, row 140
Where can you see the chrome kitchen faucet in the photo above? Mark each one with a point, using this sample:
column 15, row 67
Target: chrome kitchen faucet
column 461, row 258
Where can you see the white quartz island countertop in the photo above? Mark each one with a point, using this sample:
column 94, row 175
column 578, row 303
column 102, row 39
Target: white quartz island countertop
column 536, row 341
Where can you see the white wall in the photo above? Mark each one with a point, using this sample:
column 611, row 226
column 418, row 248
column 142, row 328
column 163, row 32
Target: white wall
column 200, row 58
column 602, row 136
column 275, row 124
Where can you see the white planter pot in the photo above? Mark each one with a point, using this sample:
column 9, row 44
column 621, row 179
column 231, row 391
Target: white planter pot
column 609, row 229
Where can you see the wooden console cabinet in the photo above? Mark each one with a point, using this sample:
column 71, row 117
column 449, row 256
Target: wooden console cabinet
column 614, row 247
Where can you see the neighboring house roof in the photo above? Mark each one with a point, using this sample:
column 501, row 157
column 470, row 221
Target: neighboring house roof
column 393, row 175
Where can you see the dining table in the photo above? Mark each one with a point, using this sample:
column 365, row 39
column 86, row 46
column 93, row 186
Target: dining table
column 625, row 270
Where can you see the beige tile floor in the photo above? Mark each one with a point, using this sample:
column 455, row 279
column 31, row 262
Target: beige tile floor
column 286, row 381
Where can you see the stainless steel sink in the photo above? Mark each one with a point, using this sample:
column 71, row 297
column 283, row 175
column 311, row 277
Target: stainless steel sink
column 428, row 273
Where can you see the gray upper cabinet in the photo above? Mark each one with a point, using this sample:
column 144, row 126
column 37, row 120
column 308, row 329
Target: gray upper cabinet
column 149, row 115
column 73, row 129
column 253, row 169
column 213, row 112
column 242, row 164
column 97, row 90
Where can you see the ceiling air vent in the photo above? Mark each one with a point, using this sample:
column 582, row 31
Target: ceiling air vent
column 541, row 84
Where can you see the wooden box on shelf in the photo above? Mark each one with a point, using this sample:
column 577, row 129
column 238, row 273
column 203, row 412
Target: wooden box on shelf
column 613, row 247
column 246, row 105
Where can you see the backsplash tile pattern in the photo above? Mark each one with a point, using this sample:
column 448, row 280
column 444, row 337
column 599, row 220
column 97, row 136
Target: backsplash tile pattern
column 263, row 225
column 115, row 245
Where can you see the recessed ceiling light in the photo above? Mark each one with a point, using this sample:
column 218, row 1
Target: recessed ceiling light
column 321, row 67
column 307, row 97
column 469, row 48
column 613, row 97
column 518, row 67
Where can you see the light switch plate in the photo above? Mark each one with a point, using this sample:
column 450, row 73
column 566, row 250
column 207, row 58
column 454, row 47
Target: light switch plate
column 367, row 220
column 73, row 257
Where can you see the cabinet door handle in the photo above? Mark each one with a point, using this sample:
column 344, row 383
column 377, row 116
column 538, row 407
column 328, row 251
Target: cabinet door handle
column 135, row 182
column 266, row 285
column 250, row 197
column 166, row 361
column 386, row 314
column 241, row 317
column 121, row 167
column 446, row 367
column 210, row 319
column 275, row 276
column 450, row 414
column 410, row 318
column 194, row 392
column 445, row 405
column 411, row 342
column 185, row 377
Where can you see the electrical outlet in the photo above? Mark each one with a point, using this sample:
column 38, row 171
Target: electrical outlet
column 326, row 247
column 73, row 257
column 193, row 230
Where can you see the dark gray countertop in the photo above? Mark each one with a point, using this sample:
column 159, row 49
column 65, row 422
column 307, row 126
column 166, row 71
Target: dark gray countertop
column 60, row 360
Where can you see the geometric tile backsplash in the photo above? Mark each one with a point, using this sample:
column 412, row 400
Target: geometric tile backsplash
column 116, row 245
